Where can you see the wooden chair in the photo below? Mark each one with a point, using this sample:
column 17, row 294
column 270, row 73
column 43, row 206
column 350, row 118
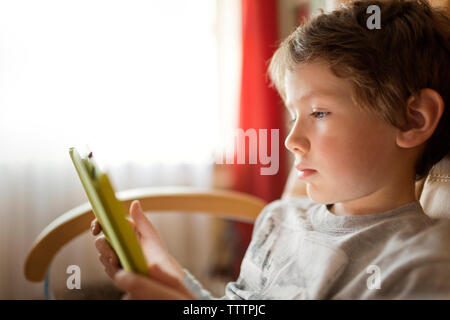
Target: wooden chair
column 227, row 204
column 433, row 192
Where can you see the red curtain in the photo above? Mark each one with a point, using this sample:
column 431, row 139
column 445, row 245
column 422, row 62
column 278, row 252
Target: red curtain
column 260, row 108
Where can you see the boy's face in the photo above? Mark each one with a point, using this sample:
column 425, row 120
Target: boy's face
column 353, row 152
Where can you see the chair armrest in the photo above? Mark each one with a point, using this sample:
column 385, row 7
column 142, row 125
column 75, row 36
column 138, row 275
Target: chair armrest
column 226, row 204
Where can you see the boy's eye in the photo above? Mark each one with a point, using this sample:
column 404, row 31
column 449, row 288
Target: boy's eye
column 319, row 114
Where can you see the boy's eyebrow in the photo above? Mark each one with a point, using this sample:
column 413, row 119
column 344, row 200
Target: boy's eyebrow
column 309, row 96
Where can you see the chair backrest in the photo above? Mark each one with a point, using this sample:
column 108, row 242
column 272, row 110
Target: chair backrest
column 433, row 191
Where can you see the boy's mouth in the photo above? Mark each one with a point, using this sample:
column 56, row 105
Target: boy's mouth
column 304, row 172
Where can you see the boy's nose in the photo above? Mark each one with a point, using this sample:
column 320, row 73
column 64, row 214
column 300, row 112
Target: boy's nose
column 296, row 144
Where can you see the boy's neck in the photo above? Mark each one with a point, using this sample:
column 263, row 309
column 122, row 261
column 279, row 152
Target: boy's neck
column 380, row 201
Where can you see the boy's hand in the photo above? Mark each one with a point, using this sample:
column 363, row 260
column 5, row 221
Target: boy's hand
column 139, row 287
column 107, row 255
column 161, row 265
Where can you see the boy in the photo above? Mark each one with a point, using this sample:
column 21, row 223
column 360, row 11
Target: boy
column 369, row 118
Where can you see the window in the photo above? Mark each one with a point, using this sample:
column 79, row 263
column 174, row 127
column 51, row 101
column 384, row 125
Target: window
column 135, row 80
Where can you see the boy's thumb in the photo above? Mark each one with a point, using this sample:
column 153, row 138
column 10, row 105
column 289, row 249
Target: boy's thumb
column 143, row 225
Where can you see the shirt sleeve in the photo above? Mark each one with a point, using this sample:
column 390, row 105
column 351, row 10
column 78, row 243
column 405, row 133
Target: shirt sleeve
column 232, row 289
column 196, row 288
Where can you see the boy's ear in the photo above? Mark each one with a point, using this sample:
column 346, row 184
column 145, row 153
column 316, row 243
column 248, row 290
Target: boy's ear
column 423, row 112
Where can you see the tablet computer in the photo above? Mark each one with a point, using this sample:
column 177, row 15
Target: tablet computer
column 110, row 213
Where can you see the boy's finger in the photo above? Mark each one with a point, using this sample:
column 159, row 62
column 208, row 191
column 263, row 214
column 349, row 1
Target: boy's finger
column 141, row 287
column 133, row 224
column 103, row 247
column 108, row 259
column 110, row 268
column 95, row 227
column 143, row 225
column 167, row 276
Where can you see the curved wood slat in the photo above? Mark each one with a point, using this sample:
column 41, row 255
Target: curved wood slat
column 226, row 204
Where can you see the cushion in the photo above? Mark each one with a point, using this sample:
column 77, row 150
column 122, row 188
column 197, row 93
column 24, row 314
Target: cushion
column 435, row 194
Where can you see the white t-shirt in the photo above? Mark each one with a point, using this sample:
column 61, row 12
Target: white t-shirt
column 300, row 250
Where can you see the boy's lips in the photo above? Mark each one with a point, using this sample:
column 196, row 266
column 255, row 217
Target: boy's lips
column 304, row 172
column 301, row 167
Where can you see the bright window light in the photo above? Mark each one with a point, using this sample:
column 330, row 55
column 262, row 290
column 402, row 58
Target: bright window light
column 134, row 80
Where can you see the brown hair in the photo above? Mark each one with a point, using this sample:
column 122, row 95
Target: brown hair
column 386, row 66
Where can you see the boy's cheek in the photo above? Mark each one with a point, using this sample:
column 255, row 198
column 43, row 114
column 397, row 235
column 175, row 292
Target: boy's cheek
column 342, row 165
